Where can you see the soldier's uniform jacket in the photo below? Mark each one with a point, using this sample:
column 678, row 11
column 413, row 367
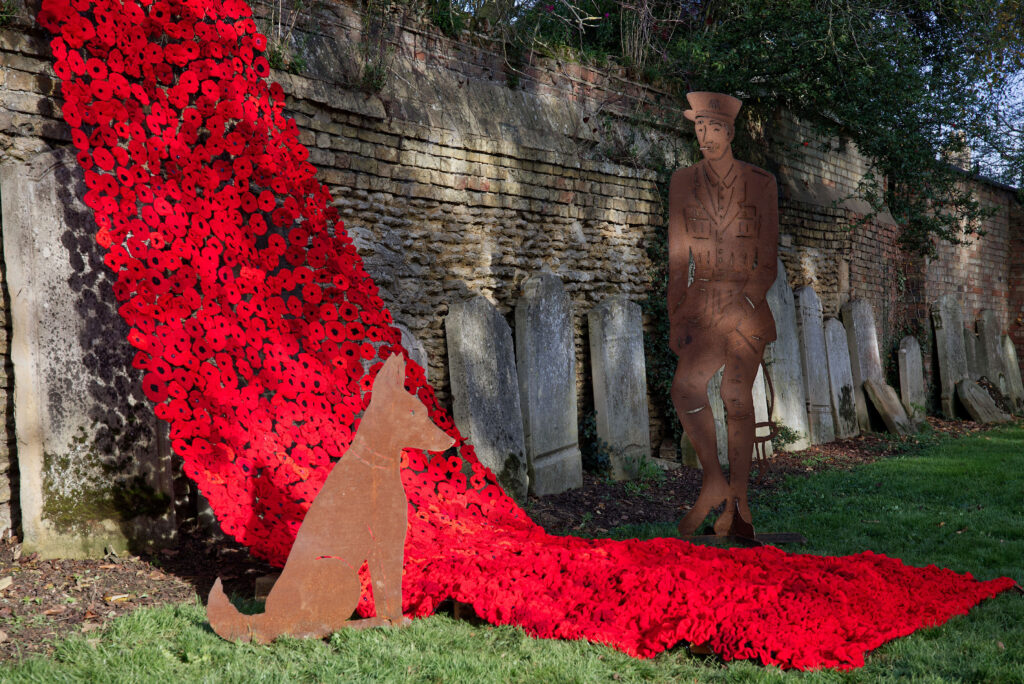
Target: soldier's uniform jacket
column 728, row 226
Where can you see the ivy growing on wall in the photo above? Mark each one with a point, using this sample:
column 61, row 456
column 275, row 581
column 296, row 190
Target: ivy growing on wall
column 383, row 20
column 7, row 12
column 659, row 359
column 278, row 24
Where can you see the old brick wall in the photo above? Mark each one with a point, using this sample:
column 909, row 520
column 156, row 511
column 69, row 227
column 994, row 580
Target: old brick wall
column 1015, row 282
column 454, row 184
column 980, row 272
column 825, row 244
column 451, row 182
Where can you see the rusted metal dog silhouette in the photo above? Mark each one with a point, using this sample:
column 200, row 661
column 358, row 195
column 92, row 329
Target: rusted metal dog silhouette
column 359, row 515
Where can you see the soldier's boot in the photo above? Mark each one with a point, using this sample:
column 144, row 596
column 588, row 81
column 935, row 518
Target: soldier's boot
column 699, row 424
column 737, row 519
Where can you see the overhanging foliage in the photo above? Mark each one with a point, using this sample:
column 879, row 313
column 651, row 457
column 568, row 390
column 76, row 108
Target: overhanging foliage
column 912, row 83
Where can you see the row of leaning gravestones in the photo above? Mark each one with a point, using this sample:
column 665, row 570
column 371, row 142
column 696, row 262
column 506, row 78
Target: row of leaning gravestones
column 827, row 382
column 516, row 401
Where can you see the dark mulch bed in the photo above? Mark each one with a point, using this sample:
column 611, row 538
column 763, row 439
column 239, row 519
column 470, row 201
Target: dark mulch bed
column 45, row 600
column 48, row 599
column 601, row 505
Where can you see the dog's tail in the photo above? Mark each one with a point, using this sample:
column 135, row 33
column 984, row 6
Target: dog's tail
column 225, row 619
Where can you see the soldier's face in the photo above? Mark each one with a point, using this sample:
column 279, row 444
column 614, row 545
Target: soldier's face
column 714, row 137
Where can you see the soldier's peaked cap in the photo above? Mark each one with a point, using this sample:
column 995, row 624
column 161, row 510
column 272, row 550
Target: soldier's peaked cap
column 713, row 105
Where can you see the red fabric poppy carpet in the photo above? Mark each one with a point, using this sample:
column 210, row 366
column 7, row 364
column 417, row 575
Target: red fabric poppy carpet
column 258, row 332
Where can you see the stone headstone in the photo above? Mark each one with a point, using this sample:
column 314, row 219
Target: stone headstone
column 718, row 411
column 979, row 403
column 782, row 358
column 94, row 462
column 1013, row 376
column 815, row 365
column 947, row 319
column 759, row 394
column 546, row 363
column 668, row 451
column 865, row 362
column 990, row 352
column 620, row 383
column 485, row 390
column 417, row 352
column 884, row 399
column 911, row 368
column 840, row 381
column 974, row 370
column 686, row 447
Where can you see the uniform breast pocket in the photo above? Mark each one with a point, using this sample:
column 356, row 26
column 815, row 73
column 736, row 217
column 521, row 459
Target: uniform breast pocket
column 702, row 260
column 747, row 221
column 745, row 257
column 698, row 224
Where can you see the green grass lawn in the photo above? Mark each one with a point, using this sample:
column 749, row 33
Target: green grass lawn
column 959, row 504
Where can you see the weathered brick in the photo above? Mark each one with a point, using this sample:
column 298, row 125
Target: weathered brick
column 496, row 209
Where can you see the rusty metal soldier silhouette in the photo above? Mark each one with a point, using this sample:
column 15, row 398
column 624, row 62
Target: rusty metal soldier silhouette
column 723, row 234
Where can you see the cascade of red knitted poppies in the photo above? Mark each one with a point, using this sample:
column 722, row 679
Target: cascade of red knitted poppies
column 258, row 332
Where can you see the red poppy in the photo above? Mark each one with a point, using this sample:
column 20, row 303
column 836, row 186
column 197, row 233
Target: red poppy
column 95, row 69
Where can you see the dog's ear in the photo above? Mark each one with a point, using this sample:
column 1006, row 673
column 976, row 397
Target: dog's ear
column 392, row 375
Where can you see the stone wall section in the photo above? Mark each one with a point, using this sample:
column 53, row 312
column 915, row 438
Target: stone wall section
column 30, row 123
column 439, row 219
column 30, row 119
column 1015, row 314
column 825, row 243
column 817, row 167
column 453, row 184
column 986, row 272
